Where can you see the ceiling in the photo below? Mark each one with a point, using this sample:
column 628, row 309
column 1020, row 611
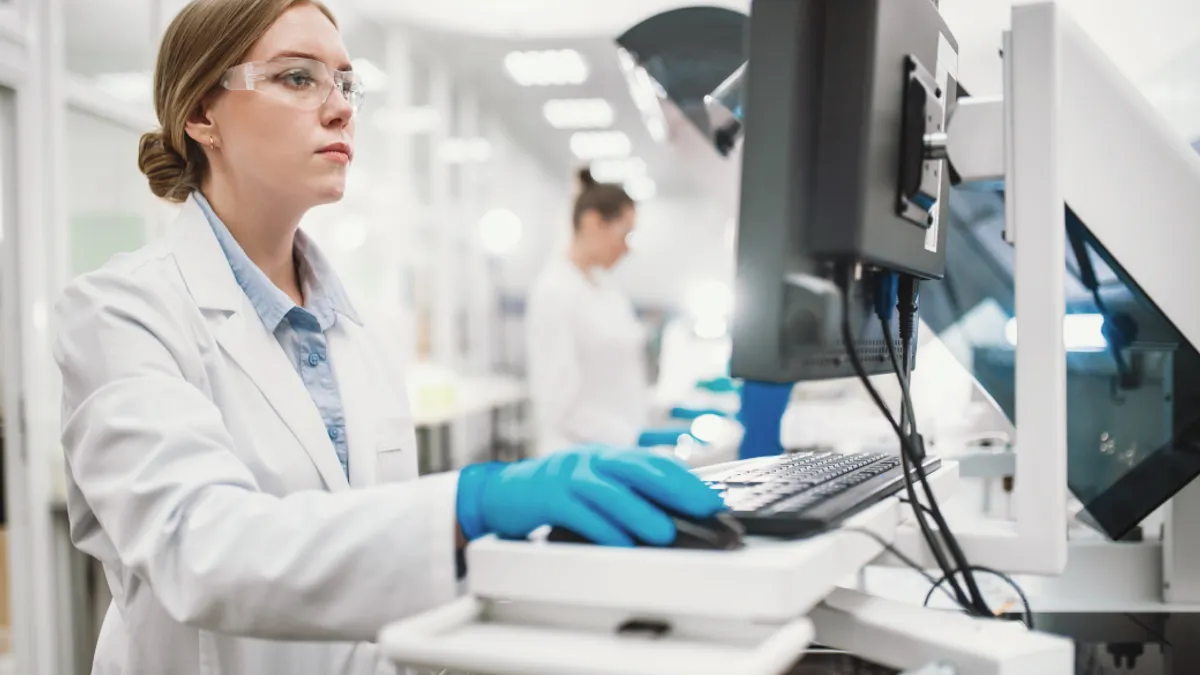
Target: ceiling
column 1155, row 42
column 684, row 166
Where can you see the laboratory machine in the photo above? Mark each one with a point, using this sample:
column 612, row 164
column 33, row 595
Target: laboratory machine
column 874, row 189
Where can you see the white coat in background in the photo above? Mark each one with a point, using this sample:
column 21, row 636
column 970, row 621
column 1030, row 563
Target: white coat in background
column 586, row 355
column 201, row 476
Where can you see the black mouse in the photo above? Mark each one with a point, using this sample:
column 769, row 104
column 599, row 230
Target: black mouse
column 718, row 533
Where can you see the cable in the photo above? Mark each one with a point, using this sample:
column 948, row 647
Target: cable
column 1157, row 635
column 1117, row 334
column 907, row 304
column 847, row 283
column 1004, row 577
column 909, row 562
column 986, row 570
column 901, row 374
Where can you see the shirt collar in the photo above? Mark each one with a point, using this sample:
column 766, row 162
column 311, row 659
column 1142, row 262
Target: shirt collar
column 323, row 292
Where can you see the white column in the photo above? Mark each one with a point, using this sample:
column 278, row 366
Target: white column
column 445, row 303
column 402, row 208
column 41, row 261
column 479, row 296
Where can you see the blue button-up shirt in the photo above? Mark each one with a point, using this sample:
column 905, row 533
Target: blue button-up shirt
column 300, row 331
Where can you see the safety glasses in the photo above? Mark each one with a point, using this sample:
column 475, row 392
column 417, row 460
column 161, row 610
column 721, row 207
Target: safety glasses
column 303, row 83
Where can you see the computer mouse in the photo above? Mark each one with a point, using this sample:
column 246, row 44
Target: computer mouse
column 718, row 533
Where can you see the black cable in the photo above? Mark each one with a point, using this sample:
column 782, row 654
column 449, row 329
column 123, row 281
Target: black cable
column 1162, row 639
column 1004, row 577
column 907, row 304
column 907, row 450
column 979, row 568
column 1116, row 338
column 906, row 412
column 912, row 564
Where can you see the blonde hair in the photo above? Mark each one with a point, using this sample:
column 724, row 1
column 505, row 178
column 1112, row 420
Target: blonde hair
column 204, row 40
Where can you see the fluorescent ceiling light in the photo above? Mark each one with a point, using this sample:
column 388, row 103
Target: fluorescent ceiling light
column 641, row 188
column 129, row 87
column 373, row 77
column 546, row 68
column 589, row 145
column 617, row 170
column 578, row 113
column 465, row 151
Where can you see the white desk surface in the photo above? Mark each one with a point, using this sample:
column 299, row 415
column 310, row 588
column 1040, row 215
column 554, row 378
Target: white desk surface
column 469, row 396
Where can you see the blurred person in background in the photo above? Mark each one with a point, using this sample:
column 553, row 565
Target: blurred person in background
column 586, row 348
column 241, row 455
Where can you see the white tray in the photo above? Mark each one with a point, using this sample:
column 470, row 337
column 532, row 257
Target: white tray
column 497, row 638
column 768, row 581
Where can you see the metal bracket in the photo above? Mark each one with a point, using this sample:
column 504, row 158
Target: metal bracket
column 922, row 146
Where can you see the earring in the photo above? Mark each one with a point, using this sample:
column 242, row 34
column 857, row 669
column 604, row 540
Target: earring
column 212, row 145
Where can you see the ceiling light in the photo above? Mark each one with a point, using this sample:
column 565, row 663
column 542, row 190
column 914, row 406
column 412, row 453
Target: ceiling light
column 465, row 151
column 578, row 113
column 589, row 145
column 546, row 68
column 500, row 231
column 641, row 188
column 617, row 170
column 373, row 77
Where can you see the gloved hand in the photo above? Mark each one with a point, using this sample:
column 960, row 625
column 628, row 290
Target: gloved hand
column 683, row 413
column 719, row 385
column 656, row 436
column 611, row 497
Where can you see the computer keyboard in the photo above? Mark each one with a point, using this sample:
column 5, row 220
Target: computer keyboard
column 805, row 493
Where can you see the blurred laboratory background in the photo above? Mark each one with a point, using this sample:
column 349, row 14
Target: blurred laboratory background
column 478, row 115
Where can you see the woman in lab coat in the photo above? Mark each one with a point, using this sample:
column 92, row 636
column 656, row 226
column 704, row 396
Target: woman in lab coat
column 586, row 350
column 241, row 457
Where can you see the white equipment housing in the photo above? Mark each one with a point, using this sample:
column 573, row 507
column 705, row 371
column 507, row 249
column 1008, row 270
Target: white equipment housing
column 1068, row 128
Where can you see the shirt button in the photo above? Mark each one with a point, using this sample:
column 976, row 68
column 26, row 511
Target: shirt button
column 333, row 433
column 313, row 360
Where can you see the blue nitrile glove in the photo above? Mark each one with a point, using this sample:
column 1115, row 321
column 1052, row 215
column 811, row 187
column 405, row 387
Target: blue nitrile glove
column 682, row 413
column 657, row 436
column 719, row 385
column 611, row 497
column 763, row 405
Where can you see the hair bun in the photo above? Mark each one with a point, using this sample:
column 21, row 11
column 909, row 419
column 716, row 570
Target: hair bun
column 168, row 171
column 585, row 178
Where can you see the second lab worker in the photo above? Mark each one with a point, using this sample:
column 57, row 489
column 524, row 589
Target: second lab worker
column 586, row 348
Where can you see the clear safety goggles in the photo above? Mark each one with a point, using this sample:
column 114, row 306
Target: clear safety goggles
column 303, row 83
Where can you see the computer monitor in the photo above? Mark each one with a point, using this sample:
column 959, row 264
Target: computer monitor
column 1133, row 426
column 839, row 98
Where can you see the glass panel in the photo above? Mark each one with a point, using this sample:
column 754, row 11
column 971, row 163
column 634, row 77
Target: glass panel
column 107, row 197
column 1133, row 381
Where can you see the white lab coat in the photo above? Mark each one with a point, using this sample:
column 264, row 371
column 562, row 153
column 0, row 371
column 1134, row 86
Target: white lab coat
column 201, row 476
column 586, row 353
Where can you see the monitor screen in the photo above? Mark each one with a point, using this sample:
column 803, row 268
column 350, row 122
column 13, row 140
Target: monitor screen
column 1133, row 413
